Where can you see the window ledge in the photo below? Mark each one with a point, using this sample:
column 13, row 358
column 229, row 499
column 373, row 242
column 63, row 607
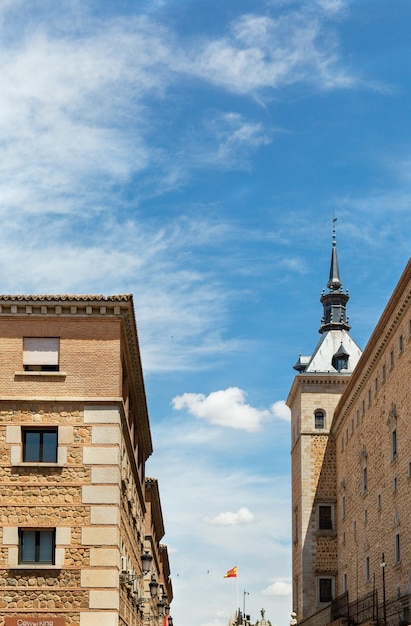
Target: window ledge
column 28, row 373
column 36, row 566
column 37, row 464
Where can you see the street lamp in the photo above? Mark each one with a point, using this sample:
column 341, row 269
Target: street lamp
column 146, row 559
column 153, row 585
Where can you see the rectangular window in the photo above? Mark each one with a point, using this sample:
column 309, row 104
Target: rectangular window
column 325, row 589
column 400, row 344
column 41, row 354
column 39, row 445
column 364, row 479
column 397, row 548
column 343, row 511
column 394, row 443
column 391, row 359
column 367, row 569
column 384, row 373
column 37, row 546
column 376, row 385
column 325, row 517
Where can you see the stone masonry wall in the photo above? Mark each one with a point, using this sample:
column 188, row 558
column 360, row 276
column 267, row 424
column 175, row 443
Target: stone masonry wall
column 371, row 516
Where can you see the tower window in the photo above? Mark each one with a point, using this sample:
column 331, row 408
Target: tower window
column 325, row 589
column 319, row 420
column 325, row 517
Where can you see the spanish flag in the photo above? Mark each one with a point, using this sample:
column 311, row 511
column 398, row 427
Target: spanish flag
column 232, row 573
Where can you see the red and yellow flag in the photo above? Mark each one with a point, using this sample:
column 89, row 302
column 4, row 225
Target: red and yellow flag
column 232, row 573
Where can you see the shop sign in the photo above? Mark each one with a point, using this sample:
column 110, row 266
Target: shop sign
column 29, row 620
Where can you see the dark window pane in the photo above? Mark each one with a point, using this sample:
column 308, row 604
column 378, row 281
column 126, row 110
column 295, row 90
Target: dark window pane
column 325, row 589
column 319, row 419
column 49, row 447
column 31, row 446
column 28, row 546
column 325, row 518
column 46, row 546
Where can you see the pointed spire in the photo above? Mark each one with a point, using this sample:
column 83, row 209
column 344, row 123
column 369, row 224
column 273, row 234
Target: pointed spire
column 334, row 302
column 334, row 282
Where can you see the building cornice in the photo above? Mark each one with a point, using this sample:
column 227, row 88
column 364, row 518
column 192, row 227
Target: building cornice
column 322, row 379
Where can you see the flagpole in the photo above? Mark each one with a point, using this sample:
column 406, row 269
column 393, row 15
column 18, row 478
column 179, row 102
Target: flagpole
column 237, row 608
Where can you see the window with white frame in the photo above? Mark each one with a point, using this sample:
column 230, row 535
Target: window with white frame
column 37, row 546
column 41, row 354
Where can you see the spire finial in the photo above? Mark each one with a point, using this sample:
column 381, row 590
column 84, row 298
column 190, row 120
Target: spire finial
column 334, row 237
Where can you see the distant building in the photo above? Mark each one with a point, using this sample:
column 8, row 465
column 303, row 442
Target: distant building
column 80, row 524
column 351, row 467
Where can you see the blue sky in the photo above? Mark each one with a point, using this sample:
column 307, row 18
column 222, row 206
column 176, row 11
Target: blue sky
column 194, row 153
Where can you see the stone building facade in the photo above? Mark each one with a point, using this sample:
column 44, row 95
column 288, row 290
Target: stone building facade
column 352, row 481
column 74, row 440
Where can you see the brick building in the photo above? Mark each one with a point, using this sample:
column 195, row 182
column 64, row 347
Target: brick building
column 80, row 524
column 351, row 468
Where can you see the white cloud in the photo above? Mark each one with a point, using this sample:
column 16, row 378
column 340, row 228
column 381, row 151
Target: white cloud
column 242, row 516
column 279, row 588
column 224, row 408
column 281, row 410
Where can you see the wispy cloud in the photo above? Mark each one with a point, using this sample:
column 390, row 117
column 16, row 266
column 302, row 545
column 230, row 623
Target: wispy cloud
column 262, row 52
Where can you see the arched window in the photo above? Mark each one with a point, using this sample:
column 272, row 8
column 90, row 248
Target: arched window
column 319, row 419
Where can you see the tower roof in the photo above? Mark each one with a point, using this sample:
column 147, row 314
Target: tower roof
column 335, row 301
column 336, row 351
